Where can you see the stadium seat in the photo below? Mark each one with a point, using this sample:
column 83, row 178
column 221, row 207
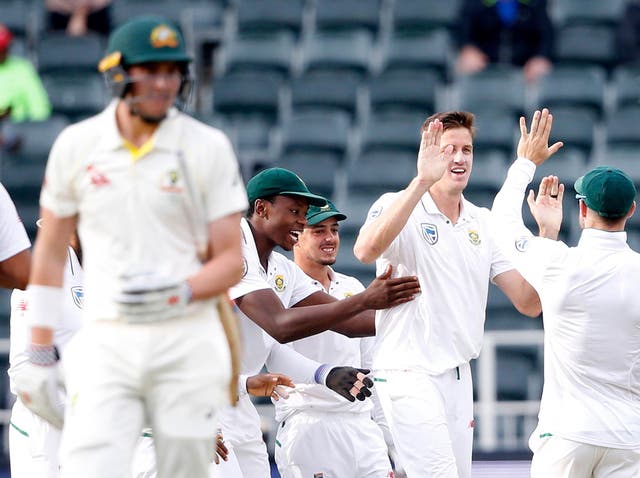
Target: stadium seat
column 400, row 89
column 317, row 170
column 347, row 50
column 379, row 172
column 626, row 86
column 624, row 157
column 76, row 96
column 421, row 15
column 58, row 52
column 240, row 94
column 258, row 53
column 252, row 135
column 16, row 15
column 568, row 165
column 37, row 138
column 317, row 131
column 348, row 264
column 498, row 88
column 489, row 170
column 595, row 12
column 586, row 45
column 573, row 86
column 123, row 10
column 269, row 16
column 419, row 51
column 329, row 90
column 392, row 131
column 347, row 14
column 622, row 127
column 513, row 375
column 574, row 126
column 356, row 206
column 495, row 130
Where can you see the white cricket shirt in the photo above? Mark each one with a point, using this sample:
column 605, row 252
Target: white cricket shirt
column 443, row 327
column 71, row 318
column 136, row 216
column 13, row 237
column 591, row 314
column 331, row 348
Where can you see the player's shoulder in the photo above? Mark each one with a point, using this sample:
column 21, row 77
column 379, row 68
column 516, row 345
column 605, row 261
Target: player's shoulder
column 88, row 130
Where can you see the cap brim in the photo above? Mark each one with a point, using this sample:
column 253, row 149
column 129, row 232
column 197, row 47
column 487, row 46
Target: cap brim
column 314, row 199
column 323, row 216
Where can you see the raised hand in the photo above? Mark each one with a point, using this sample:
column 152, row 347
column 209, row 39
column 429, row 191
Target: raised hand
column 385, row 292
column 269, row 385
column 546, row 208
column 534, row 144
column 432, row 161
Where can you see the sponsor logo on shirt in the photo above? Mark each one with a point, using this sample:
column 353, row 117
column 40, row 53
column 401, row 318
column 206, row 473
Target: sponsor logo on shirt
column 279, row 283
column 96, row 177
column 474, row 237
column 429, row 232
column 77, row 292
column 170, row 182
column 375, row 212
column 522, row 243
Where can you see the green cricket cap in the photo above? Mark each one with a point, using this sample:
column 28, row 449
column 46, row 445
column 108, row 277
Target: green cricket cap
column 144, row 39
column 606, row 190
column 280, row 181
column 317, row 214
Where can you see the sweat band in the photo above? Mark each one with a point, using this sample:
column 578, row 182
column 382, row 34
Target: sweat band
column 45, row 306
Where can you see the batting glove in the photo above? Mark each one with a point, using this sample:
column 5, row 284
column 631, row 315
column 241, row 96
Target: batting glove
column 38, row 384
column 349, row 382
column 147, row 298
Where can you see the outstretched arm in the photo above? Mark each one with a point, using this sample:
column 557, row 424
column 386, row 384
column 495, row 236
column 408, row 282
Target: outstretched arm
column 377, row 236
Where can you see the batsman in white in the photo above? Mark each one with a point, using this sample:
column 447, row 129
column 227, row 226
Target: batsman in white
column 15, row 253
column 34, row 442
column 319, row 432
column 589, row 420
column 421, row 363
column 277, row 300
column 153, row 351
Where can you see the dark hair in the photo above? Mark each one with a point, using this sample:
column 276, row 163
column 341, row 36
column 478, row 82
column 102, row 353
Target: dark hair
column 252, row 206
column 451, row 120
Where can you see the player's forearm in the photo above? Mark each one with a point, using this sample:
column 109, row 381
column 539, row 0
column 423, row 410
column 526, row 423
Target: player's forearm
column 362, row 325
column 377, row 236
column 284, row 359
column 217, row 275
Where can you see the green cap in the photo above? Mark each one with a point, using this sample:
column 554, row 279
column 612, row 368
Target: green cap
column 280, row 181
column 316, row 215
column 144, row 39
column 606, row 190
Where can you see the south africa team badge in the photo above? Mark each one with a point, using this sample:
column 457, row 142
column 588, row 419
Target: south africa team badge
column 77, row 292
column 429, row 232
column 279, row 282
column 474, row 237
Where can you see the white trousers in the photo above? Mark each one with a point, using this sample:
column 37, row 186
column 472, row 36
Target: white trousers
column 560, row 458
column 331, row 445
column 431, row 420
column 171, row 375
column 33, row 445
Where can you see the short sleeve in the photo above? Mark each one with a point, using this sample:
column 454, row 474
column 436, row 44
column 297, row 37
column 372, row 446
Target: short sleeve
column 374, row 213
column 303, row 285
column 58, row 192
column 13, row 237
column 251, row 280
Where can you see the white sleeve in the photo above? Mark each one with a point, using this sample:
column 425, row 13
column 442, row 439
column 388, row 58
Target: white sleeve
column 374, row 213
column 250, row 282
column 283, row 359
column 13, row 237
column 58, row 194
column 303, row 285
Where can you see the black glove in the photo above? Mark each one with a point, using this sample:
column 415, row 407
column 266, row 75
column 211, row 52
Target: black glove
column 350, row 382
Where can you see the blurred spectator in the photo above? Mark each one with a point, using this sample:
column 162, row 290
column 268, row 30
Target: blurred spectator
column 517, row 32
column 628, row 34
column 77, row 17
column 22, row 95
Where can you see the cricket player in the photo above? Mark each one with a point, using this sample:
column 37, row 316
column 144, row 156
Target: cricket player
column 589, row 420
column 314, row 418
column 423, row 348
column 34, row 442
column 144, row 184
column 15, row 253
column 277, row 300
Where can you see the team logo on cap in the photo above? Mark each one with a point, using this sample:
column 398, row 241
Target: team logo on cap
column 279, row 283
column 474, row 237
column 77, row 292
column 429, row 232
column 164, row 36
column 522, row 243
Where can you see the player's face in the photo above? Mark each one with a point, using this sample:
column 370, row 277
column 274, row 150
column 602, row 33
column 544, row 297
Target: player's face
column 320, row 243
column 286, row 220
column 154, row 87
column 456, row 176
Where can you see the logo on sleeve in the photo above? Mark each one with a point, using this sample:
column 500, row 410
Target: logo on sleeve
column 429, row 232
column 245, row 267
column 375, row 212
column 279, row 283
column 474, row 237
column 522, row 244
column 77, row 292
